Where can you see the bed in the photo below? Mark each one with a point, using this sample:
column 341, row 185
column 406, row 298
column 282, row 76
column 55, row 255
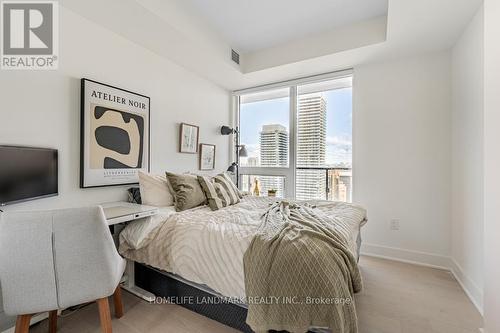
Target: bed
column 200, row 252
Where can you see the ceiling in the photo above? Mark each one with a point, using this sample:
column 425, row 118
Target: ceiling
column 254, row 25
column 199, row 38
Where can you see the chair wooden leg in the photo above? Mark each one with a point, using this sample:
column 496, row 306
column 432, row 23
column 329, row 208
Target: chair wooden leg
column 23, row 323
column 53, row 321
column 117, row 299
column 104, row 315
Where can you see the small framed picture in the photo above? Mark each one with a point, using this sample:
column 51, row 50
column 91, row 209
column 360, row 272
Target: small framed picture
column 189, row 135
column 207, row 156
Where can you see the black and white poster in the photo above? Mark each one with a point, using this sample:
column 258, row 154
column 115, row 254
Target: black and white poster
column 114, row 135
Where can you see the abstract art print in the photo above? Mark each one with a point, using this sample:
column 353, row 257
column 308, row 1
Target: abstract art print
column 114, row 135
column 189, row 135
column 207, row 156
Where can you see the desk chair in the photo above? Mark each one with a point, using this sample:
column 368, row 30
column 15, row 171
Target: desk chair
column 52, row 260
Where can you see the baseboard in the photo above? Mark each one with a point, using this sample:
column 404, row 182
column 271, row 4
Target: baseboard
column 429, row 260
column 408, row 256
column 474, row 293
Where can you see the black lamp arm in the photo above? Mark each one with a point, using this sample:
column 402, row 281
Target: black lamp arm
column 226, row 130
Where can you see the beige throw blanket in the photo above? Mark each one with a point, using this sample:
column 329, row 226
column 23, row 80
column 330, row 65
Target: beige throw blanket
column 299, row 272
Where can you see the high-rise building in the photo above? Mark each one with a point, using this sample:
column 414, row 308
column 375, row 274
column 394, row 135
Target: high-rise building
column 311, row 147
column 252, row 162
column 273, row 153
column 274, row 146
column 340, row 185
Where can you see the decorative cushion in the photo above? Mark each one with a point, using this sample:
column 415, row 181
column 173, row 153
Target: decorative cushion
column 224, row 178
column 219, row 193
column 134, row 195
column 155, row 190
column 187, row 191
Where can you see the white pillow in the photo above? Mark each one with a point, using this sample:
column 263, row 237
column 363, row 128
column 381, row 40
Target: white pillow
column 155, row 190
column 138, row 233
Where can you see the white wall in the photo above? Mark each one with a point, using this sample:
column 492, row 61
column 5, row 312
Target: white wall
column 467, row 158
column 43, row 108
column 401, row 156
column 491, row 166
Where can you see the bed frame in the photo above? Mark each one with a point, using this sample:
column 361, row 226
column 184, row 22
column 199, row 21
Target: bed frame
column 164, row 284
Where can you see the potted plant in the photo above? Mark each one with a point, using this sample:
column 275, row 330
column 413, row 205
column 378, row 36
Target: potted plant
column 271, row 192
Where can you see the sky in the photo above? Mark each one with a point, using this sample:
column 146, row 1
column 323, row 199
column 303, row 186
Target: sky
column 338, row 124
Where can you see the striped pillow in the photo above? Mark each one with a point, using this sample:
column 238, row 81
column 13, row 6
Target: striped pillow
column 224, row 178
column 219, row 194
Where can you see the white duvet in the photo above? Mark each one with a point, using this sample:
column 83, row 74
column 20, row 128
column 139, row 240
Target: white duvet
column 207, row 247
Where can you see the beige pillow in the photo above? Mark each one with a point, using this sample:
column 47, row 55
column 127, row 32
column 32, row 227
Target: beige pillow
column 155, row 190
column 138, row 233
column 219, row 193
column 187, row 191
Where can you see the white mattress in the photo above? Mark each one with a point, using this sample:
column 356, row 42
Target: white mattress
column 207, row 247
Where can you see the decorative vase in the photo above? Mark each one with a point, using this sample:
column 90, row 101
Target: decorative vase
column 256, row 189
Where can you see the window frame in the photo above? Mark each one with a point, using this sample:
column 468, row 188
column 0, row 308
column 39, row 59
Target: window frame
column 288, row 172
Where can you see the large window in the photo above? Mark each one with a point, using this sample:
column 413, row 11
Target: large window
column 264, row 121
column 299, row 139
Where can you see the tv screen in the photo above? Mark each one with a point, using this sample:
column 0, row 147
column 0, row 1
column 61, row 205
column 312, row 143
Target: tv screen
column 27, row 173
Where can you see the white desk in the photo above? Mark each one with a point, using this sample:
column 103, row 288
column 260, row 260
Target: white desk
column 120, row 212
column 123, row 212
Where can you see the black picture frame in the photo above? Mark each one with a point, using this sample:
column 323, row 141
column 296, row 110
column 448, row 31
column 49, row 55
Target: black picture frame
column 83, row 96
column 182, row 128
column 202, row 147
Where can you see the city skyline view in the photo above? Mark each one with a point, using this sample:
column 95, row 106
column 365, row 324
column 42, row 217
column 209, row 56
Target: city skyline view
column 316, row 137
column 255, row 115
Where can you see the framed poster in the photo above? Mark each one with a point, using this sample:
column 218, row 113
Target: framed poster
column 114, row 134
column 188, row 142
column 207, row 156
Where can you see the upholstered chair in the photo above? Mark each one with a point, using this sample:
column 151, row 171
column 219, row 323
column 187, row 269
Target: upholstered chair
column 51, row 260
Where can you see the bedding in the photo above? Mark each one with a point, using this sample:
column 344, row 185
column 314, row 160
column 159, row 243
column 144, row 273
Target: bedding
column 207, row 247
column 137, row 232
column 297, row 258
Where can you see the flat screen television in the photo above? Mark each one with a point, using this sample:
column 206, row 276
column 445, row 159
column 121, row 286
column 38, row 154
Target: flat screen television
column 27, row 173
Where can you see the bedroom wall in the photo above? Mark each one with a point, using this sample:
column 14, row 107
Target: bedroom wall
column 401, row 156
column 42, row 108
column 491, row 166
column 467, row 159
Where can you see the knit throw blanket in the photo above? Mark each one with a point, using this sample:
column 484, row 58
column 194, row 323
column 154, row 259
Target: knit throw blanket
column 300, row 273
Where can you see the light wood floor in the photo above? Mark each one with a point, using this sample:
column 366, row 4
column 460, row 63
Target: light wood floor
column 397, row 298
